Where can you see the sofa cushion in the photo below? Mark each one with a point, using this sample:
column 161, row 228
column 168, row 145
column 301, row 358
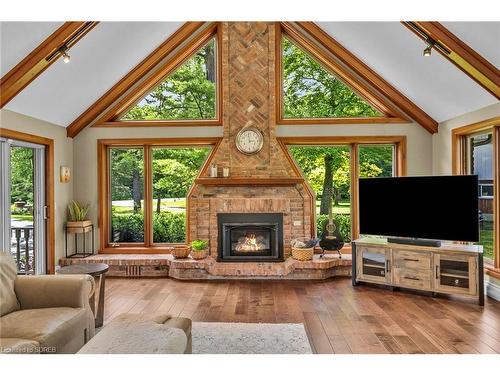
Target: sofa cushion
column 18, row 346
column 52, row 327
column 137, row 334
column 8, row 274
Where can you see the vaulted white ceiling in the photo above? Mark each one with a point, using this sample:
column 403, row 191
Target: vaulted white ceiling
column 99, row 60
column 111, row 49
column 18, row 39
column 394, row 52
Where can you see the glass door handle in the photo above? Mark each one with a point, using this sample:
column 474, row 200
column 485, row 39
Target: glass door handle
column 387, row 265
column 437, row 271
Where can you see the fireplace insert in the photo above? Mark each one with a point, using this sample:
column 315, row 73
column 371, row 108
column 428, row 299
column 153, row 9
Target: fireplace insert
column 245, row 237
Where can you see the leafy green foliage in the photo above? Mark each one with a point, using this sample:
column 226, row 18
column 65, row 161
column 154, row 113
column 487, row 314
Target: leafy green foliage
column 199, row 245
column 343, row 221
column 188, row 93
column 77, row 211
column 375, row 161
column 310, row 91
column 21, row 166
column 169, row 227
column 174, row 170
column 127, row 228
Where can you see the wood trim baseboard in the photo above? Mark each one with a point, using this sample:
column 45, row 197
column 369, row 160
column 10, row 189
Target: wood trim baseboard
column 49, row 187
column 41, row 58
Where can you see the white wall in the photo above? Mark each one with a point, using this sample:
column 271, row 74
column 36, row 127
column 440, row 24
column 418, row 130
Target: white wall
column 441, row 142
column 63, row 156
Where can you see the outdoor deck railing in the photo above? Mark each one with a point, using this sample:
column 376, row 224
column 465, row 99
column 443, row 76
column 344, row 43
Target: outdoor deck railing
column 23, row 250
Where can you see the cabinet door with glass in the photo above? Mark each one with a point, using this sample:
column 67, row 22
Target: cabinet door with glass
column 373, row 264
column 455, row 274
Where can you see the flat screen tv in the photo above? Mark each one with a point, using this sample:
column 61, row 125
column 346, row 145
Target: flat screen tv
column 437, row 207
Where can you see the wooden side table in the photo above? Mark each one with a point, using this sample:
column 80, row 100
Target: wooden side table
column 98, row 271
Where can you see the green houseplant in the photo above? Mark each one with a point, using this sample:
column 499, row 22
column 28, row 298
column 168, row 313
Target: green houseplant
column 77, row 217
column 199, row 249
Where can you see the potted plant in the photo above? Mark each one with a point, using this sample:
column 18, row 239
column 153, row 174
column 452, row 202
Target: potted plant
column 199, row 249
column 77, row 217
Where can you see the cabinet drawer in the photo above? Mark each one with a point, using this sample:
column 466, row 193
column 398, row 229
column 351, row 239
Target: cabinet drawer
column 412, row 278
column 412, row 259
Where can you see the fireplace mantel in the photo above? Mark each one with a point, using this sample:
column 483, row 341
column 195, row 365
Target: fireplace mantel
column 245, row 181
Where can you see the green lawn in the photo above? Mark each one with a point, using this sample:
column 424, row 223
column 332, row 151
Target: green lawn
column 486, row 239
column 22, row 217
column 341, row 208
column 167, row 203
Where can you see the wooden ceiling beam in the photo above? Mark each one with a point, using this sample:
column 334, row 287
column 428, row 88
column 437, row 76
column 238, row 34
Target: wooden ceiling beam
column 41, row 58
column 131, row 78
column 460, row 54
column 369, row 75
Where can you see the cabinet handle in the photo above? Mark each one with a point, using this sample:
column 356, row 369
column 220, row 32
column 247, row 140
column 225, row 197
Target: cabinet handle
column 437, row 271
column 411, row 278
column 387, row 265
column 411, row 260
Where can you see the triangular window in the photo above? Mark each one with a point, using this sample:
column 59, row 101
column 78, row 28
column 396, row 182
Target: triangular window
column 188, row 93
column 310, row 91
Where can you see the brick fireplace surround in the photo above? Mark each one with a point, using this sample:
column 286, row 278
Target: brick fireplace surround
column 248, row 81
column 248, row 75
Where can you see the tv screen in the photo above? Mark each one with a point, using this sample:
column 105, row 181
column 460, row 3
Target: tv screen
column 438, row 207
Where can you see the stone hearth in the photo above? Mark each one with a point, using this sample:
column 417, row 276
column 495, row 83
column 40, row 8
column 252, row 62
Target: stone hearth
column 164, row 265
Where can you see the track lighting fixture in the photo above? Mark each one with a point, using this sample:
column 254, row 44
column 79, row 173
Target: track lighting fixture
column 428, row 49
column 64, row 53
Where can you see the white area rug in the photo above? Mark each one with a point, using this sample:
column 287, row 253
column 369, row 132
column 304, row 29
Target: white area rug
column 249, row 338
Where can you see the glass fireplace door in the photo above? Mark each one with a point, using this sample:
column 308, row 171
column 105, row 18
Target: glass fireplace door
column 251, row 240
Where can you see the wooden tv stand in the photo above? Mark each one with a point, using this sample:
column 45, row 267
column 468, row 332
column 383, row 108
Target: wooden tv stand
column 449, row 269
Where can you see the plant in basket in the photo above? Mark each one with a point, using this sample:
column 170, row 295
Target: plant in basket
column 199, row 249
column 77, row 217
column 303, row 248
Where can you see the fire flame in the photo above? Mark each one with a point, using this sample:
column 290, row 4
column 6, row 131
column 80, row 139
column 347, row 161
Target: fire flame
column 250, row 240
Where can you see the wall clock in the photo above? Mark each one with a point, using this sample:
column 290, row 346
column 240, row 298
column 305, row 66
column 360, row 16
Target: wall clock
column 249, row 141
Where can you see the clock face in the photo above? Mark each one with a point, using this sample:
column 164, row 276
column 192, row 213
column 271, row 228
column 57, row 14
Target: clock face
column 249, row 141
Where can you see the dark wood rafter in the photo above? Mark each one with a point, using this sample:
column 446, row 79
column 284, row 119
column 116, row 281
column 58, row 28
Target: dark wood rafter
column 49, row 187
column 389, row 112
column 41, row 58
column 148, row 246
column 460, row 54
column 365, row 75
column 133, row 77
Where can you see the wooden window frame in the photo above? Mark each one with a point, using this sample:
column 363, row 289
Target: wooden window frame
column 111, row 118
column 459, row 166
column 49, row 188
column 399, row 143
column 103, row 160
column 390, row 114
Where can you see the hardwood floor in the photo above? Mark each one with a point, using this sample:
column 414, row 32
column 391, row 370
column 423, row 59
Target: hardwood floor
column 338, row 318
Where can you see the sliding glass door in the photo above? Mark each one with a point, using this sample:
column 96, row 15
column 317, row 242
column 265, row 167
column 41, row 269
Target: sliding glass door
column 22, row 204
